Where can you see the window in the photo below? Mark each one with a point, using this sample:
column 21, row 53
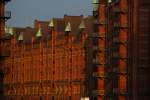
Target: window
column 36, row 45
column 27, row 47
column 41, row 98
column 52, row 97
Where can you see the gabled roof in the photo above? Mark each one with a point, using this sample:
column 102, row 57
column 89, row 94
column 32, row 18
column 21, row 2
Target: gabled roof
column 17, row 31
column 28, row 35
column 24, row 34
column 44, row 28
column 41, row 24
column 59, row 24
column 71, row 24
column 74, row 22
column 89, row 23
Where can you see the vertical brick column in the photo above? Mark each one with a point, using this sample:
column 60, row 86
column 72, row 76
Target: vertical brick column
column 118, row 38
column 99, row 49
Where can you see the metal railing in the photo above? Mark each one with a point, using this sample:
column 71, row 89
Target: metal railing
column 7, row 14
column 6, row 0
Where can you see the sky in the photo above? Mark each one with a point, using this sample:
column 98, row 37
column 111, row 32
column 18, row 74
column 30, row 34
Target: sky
column 24, row 12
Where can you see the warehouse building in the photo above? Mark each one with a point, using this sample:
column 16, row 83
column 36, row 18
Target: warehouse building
column 49, row 61
column 122, row 38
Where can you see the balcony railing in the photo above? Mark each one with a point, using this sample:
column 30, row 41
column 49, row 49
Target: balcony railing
column 95, row 13
column 120, row 92
column 98, row 22
column 97, row 35
column 119, row 25
column 98, row 75
column 98, row 92
column 101, row 75
column 117, row 41
column 7, row 15
column 96, row 62
column 6, row 0
column 119, row 56
column 98, row 49
column 118, row 10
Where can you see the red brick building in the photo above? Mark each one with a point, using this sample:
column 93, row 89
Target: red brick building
column 121, row 30
column 48, row 61
column 111, row 37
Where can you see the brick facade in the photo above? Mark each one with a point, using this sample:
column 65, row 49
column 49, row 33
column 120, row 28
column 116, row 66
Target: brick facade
column 51, row 65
